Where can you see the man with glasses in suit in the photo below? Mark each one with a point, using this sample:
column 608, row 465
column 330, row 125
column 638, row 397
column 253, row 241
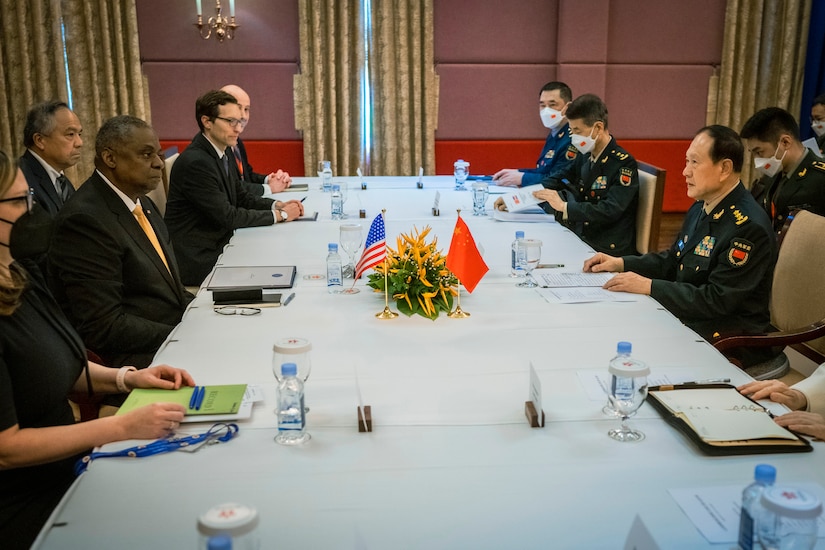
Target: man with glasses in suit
column 207, row 200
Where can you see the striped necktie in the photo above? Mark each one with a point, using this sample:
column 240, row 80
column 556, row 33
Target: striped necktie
column 66, row 187
column 150, row 233
column 238, row 161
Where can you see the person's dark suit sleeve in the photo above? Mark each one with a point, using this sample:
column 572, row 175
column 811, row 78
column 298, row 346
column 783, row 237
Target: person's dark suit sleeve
column 200, row 183
column 90, row 278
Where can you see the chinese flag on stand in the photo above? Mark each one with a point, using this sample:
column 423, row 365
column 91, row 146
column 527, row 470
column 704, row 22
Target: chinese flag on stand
column 463, row 259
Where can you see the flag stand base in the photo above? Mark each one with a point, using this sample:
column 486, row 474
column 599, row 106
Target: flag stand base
column 386, row 314
column 458, row 313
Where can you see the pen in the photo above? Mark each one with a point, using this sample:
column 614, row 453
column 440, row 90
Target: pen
column 547, row 266
column 201, row 395
column 289, row 299
column 708, row 381
column 194, row 399
column 302, row 200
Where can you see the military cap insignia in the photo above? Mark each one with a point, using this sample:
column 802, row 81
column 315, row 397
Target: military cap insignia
column 571, row 153
column 740, row 218
column 599, row 183
column 626, row 176
column 705, row 247
column 740, row 252
column 550, row 154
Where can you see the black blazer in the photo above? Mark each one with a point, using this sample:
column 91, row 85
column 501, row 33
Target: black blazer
column 44, row 192
column 205, row 206
column 109, row 280
column 253, row 182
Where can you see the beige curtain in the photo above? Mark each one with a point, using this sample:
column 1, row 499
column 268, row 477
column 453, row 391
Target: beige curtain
column 31, row 64
column 763, row 60
column 404, row 87
column 104, row 68
column 328, row 91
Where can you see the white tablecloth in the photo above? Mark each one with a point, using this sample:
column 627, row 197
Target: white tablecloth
column 452, row 462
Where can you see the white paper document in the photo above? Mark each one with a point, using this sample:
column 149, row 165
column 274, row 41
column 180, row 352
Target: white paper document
column 521, row 198
column 525, row 216
column 553, row 278
column 715, row 510
column 583, row 295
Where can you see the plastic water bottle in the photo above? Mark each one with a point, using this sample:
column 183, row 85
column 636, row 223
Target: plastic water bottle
column 335, row 276
column 764, row 476
column 326, row 177
column 229, row 526
column 336, row 201
column 620, row 384
column 291, row 412
column 517, row 256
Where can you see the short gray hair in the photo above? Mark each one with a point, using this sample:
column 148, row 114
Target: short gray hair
column 116, row 131
column 40, row 120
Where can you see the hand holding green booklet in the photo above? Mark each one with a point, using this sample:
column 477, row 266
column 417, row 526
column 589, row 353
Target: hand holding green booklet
column 224, row 399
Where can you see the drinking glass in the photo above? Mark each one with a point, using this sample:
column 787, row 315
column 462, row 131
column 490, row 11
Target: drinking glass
column 343, row 186
column 351, row 238
column 461, row 170
column 528, row 260
column 628, row 390
column 480, row 193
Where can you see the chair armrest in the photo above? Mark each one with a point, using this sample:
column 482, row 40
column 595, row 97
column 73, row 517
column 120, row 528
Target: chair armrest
column 779, row 338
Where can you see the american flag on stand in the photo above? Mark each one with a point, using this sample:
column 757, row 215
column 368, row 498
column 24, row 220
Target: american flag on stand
column 375, row 249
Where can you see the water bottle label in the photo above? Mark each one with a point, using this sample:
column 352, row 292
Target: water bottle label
column 334, row 276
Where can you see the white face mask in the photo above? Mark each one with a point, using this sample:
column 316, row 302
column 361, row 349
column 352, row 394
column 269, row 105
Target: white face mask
column 770, row 166
column 818, row 127
column 583, row 143
column 551, row 118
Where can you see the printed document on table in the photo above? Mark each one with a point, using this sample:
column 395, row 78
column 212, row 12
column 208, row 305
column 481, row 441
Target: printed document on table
column 583, row 295
column 553, row 278
column 521, row 198
column 715, row 510
column 531, row 215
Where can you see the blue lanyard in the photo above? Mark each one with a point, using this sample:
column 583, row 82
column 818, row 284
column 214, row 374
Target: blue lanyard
column 218, row 433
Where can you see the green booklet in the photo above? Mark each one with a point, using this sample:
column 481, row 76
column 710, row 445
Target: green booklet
column 224, row 399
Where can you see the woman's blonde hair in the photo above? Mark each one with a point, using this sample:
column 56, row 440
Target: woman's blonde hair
column 13, row 284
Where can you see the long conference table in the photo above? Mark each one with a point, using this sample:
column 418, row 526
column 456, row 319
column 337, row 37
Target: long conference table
column 451, row 461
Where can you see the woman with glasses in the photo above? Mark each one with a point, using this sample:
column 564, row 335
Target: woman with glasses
column 42, row 361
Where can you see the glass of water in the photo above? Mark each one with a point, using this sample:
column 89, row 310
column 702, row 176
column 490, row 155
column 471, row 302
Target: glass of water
column 628, row 390
column 351, row 238
column 480, row 193
column 530, row 254
column 461, row 169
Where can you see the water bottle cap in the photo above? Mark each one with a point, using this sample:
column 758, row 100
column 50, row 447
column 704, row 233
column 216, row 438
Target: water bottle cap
column 624, row 347
column 333, row 247
column 228, row 519
column 289, row 369
column 292, row 346
column 791, row 502
column 519, row 234
column 629, row 369
column 219, row 542
column 765, row 473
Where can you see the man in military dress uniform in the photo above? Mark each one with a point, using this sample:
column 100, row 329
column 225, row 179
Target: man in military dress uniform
column 597, row 195
column 556, row 153
column 794, row 177
column 716, row 278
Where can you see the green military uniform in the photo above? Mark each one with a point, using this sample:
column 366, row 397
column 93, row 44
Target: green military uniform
column 802, row 189
column 602, row 199
column 717, row 276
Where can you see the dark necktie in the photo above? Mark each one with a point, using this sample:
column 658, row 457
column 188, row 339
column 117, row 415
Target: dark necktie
column 66, row 188
column 226, row 164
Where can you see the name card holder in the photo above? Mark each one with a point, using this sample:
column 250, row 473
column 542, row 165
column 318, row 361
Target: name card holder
column 365, row 419
column 532, row 415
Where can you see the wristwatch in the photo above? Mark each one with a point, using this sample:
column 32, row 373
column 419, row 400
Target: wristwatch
column 284, row 215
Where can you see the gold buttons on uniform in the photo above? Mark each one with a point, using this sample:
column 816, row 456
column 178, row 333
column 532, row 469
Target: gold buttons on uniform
column 612, row 246
column 678, row 254
column 681, row 267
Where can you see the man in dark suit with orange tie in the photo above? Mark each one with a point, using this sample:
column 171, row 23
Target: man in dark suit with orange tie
column 52, row 139
column 111, row 265
column 207, row 200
